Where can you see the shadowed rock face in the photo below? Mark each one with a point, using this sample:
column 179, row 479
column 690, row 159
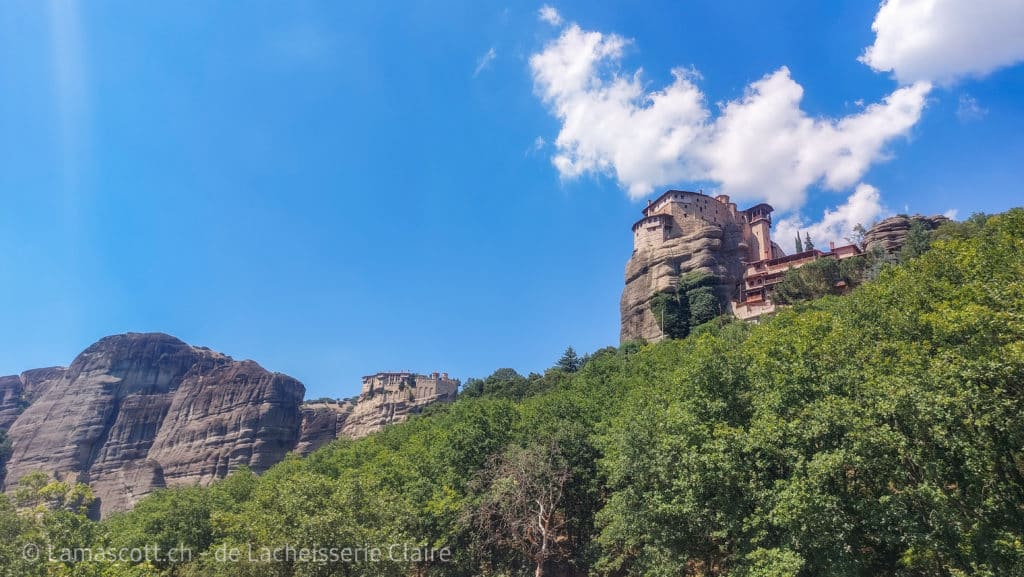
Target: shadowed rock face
column 890, row 234
column 138, row 412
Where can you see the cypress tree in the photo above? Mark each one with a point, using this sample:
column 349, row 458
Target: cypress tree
column 808, row 245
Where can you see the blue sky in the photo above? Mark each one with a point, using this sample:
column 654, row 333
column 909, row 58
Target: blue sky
column 335, row 189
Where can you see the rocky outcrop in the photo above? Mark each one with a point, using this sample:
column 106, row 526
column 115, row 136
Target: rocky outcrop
column 137, row 412
column 18, row 391
column 323, row 423
column 890, row 234
column 711, row 248
column 392, row 397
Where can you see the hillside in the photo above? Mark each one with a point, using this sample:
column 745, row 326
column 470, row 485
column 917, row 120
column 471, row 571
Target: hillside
column 878, row 433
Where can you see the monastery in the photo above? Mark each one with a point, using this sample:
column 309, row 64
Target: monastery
column 682, row 231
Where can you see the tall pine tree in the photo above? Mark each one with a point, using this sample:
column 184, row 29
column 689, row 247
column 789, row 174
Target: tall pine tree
column 570, row 361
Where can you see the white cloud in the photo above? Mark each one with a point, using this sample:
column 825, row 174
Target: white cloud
column 485, row 61
column 968, row 109
column 762, row 146
column 548, row 14
column 951, row 214
column 943, row 40
column 863, row 207
column 766, row 145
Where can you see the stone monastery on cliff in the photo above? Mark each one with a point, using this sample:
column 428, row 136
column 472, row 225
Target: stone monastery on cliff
column 685, row 231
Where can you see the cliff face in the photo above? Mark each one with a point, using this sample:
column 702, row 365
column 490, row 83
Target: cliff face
column 890, row 233
column 710, row 248
column 387, row 398
column 18, row 391
column 322, row 423
column 137, row 412
column 392, row 397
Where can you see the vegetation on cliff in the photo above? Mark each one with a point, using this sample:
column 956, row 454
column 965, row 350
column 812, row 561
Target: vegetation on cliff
column 692, row 303
column 879, row 433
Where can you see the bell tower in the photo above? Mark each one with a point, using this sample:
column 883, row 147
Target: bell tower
column 760, row 219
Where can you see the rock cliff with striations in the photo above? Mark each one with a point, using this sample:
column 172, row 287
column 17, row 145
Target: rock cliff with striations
column 392, row 397
column 683, row 232
column 890, row 234
column 134, row 413
column 323, row 422
column 137, row 412
column 386, row 398
column 706, row 247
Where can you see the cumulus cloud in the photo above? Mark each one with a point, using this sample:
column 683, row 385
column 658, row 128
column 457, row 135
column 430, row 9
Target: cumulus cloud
column 761, row 146
column 548, row 14
column 765, row 144
column 863, row 207
column 943, row 40
column 485, row 61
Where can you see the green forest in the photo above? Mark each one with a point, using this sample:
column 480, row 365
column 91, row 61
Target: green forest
column 878, row 433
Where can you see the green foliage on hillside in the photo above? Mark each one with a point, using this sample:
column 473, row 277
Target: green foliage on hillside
column 824, row 277
column 881, row 433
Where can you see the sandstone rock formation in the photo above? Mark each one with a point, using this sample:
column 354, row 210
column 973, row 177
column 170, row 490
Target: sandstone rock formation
column 392, row 397
column 386, row 398
column 138, row 412
column 890, row 233
column 711, row 248
column 685, row 231
column 682, row 232
column 18, row 391
column 322, row 423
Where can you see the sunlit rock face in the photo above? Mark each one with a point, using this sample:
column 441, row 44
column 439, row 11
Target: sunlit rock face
column 138, row 412
column 388, row 398
column 683, row 232
column 711, row 248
